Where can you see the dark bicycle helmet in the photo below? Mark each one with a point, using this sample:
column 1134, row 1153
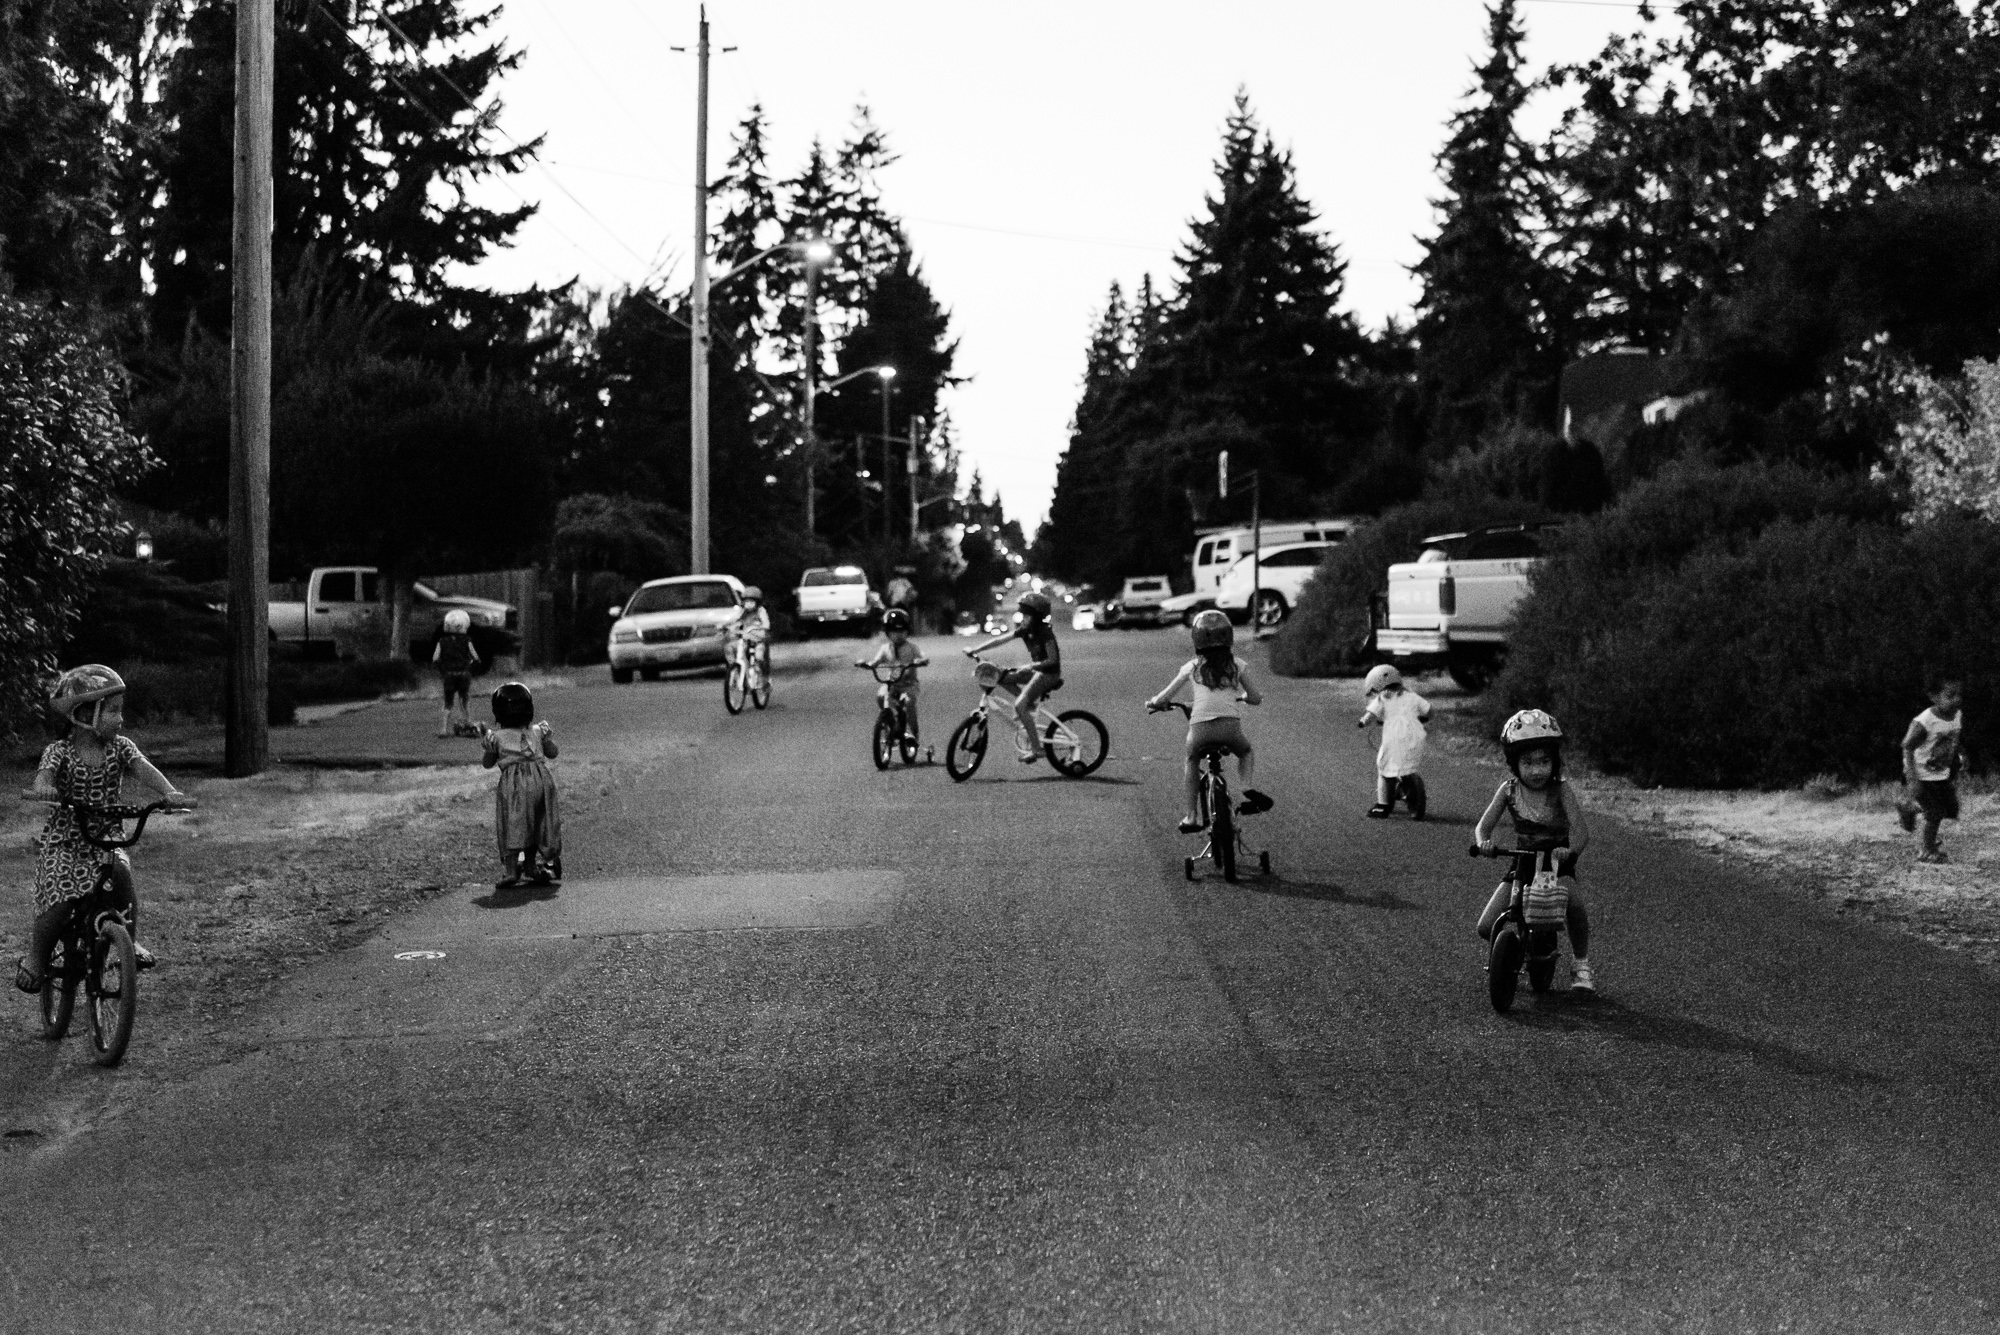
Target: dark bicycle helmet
column 896, row 619
column 752, row 594
column 1036, row 606
column 513, row 705
column 1211, row 630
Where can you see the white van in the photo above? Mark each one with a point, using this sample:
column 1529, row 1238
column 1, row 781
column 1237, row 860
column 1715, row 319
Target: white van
column 1216, row 549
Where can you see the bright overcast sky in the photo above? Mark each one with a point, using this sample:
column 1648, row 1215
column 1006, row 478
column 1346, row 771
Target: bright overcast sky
column 1046, row 149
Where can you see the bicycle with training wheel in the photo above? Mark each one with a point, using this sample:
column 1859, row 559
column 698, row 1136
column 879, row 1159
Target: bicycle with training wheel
column 749, row 675
column 1075, row 741
column 1223, row 843
column 895, row 731
column 94, row 954
column 1528, row 935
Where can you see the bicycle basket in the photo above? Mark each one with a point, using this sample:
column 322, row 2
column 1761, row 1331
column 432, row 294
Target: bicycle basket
column 1545, row 903
column 987, row 675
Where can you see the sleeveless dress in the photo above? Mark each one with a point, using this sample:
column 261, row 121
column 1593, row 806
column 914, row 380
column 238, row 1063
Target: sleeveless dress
column 525, row 811
column 66, row 865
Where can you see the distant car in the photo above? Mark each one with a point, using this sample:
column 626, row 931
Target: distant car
column 1139, row 601
column 1282, row 573
column 1084, row 617
column 836, row 596
column 673, row 623
column 1185, row 607
column 966, row 624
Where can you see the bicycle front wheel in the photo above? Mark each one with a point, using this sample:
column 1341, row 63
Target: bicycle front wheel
column 733, row 689
column 1076, row 743
column 883, row 744
column 113, row 993
column 967, row 748
column 58, row 1003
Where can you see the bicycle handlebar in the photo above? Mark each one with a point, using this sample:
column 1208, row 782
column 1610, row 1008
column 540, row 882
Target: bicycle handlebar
column 1501, row 852
column 119, row 813
column 1171, row 704
column 897, row 671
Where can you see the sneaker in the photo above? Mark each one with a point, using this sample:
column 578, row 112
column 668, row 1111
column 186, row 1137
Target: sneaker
column 1190, row 827
column 1582, row 981
column 1935, row 859
column 1253, row 803
column 1380, row 811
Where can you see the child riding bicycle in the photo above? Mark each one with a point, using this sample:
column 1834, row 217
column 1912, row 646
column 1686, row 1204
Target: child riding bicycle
column 898, row 649
column 86, row 767
column 1219, row 680
column 1547, row 816
column 1042, row 674
column 751, row 631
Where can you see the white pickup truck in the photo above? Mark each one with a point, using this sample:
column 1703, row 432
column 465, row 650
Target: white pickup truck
column 346, row 615
column 836, row 596
column 1450, row 607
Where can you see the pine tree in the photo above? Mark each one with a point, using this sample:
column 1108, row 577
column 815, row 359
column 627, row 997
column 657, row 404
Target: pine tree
column 1085, row 498
column 376, row 150
column 1486, row 349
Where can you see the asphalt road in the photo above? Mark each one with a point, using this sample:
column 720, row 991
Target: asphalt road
column 806, row 1047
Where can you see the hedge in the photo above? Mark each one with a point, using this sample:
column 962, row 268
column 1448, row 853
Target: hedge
column 1754, row 627
column 1328, row 634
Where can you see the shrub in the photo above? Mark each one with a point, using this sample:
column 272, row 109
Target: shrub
column 1740, row 653
column 136, row 611
column 190, row 692
column 1329, row 634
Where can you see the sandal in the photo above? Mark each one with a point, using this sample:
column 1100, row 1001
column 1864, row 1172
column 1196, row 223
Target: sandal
column 1380, row 811
column 27, row 981
column 145, row 957
column 1253, row 803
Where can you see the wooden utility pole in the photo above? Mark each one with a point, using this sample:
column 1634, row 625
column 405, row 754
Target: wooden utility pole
column 812, row 375
column 698, row 301
column 912, row 468
column 247, row 743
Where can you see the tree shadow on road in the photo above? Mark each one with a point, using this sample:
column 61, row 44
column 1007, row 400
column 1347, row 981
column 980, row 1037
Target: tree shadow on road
column 519, row 896
column 1565, row 1012
column 1326, row 892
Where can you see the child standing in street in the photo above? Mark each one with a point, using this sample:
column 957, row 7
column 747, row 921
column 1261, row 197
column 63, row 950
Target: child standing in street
column 1401, row 713
column 526, row 818
column 455, row 658
column 88, row 766
column 1930, row 767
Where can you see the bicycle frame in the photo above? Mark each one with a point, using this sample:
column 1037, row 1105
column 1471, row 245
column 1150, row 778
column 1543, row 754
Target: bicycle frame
column 1528, row 932
column 1223, row 843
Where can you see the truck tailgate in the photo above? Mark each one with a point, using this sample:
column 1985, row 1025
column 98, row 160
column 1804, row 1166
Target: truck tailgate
column 1413, row 598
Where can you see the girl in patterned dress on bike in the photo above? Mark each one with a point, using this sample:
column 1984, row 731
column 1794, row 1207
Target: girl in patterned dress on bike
column 1042, row 674
column 526, row 818
column 88, row 766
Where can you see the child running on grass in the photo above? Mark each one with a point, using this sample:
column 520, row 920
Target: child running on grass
column 1401, row 712
column 526, row 818
column 88, row 766
column 1930, row 767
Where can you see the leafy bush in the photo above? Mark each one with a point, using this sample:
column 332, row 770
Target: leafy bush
column 64, row 450
column 136, row 611
column 190, row 692
column 1753, row 626
column 1329, row 633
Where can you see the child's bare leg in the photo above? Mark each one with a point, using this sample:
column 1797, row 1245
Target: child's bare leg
column 1579, row 923
column 1191, row 790
column 1927, row 833
column 1384, row 790
column 1495, row 906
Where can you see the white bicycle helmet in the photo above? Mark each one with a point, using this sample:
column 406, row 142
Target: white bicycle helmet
column 457, row 621
column 84, row 685
column 1381, row 677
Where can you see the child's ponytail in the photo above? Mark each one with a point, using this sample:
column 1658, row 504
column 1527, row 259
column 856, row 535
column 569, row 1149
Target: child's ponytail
column 1217, row 667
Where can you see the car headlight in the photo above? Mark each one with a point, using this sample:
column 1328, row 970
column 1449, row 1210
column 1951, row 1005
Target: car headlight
column 624, row 635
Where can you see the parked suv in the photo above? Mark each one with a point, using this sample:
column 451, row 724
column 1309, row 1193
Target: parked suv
column 1138, row 603
column 1281, row 575
column 1450, row 607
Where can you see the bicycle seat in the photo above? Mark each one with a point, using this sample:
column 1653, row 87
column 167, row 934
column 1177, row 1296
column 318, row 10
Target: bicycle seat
column 1212, row 749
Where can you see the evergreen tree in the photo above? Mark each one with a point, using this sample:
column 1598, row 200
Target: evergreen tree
column 376, row 150
column 1487, row 351
column 1085, row 501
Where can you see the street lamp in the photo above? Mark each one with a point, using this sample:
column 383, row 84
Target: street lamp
column 816, row 252
column 885, row 374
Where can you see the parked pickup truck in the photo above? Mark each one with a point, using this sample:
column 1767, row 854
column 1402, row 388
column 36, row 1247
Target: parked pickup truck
column 346, row 614
column 836, row 596
column 1450, row 607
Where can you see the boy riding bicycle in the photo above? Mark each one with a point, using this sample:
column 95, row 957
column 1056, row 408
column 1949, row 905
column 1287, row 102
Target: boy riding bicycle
column 1042, row 674
column 898, row 649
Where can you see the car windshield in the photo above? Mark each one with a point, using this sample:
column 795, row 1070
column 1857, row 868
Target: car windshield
column 694, row 597
column 1449, row 547
column 820, row 578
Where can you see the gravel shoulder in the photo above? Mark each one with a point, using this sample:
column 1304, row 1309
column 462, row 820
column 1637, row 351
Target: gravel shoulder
column 1830, row 842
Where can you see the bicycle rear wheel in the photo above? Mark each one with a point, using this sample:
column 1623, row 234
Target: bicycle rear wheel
column 883, row 744
column 967, row 748
column 1076, row 743
column 112, row 989
column 733, row 692
column 58, row 1002
column 1222, row 828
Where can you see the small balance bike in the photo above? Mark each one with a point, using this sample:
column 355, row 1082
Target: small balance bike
column 894, row 731
column 1529, row 932
column 1223, row 845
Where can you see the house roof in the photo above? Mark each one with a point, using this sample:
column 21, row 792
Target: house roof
column 1610, row 379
